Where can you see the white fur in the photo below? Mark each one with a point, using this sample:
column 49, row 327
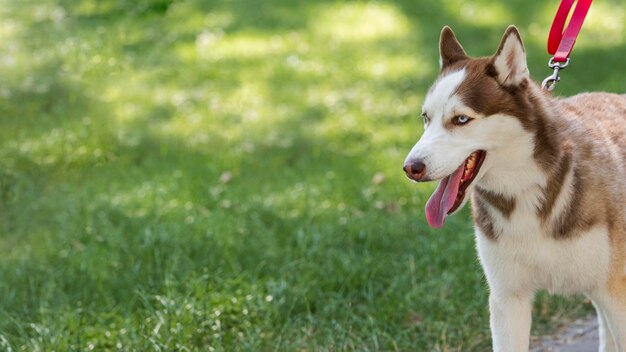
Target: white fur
column 612, row 318
column 525, row 258
column 608, row 342
column 528, row 261
column 438, row 98
column 441, row 104
column 510, row 63
column 506, row 143
column 564, row 197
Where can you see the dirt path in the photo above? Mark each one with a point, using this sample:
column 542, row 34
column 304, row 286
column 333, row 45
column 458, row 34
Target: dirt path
column 581, row 336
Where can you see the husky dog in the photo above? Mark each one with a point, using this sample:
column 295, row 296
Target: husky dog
column 546, row 178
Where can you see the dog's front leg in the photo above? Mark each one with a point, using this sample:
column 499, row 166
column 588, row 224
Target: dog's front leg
column 510, row 320
column 611, row 309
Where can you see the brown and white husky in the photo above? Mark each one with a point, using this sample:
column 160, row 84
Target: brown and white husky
column 547, row 183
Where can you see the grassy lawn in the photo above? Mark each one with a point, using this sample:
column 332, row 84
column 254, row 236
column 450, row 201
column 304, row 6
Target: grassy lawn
column 226, row 175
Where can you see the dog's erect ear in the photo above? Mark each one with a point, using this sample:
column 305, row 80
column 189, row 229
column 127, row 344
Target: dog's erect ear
column 510, row 59
column 450, row 50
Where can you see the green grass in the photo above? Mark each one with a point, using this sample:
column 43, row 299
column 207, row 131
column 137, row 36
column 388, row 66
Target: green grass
column 226, row 175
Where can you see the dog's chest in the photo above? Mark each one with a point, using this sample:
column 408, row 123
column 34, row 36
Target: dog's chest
column 525, row 257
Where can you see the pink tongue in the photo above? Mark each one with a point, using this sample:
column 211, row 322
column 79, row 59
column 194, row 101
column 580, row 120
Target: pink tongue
column 442, row 200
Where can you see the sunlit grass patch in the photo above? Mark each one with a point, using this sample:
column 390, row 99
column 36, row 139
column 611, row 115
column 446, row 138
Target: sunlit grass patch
column 214, row 46
column 481, row 13
column 604, row 26
column 58, row 146
column 359, row 21
column 398, row 67
column 9, row 28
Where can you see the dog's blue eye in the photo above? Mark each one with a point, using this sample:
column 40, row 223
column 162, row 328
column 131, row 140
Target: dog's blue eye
column 460, row 120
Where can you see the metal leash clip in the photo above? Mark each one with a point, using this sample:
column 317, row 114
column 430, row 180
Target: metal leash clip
column 551, row 81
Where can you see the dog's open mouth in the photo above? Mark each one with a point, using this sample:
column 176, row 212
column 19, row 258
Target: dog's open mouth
column 451, row 190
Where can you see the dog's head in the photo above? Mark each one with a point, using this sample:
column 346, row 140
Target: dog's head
column 474, row 109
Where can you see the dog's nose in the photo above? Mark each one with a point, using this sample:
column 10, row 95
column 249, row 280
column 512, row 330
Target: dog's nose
column 415, row 170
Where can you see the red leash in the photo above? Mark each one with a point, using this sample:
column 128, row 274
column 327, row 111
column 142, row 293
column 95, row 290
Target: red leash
column 560, row 43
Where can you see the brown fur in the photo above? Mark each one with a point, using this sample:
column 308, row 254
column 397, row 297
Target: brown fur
column 555, row 184
column 449, row 47
column 616, row 282
column 482, row 218
column 588, row 124
column 504, row 204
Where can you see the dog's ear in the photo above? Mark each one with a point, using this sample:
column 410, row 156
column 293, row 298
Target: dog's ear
column 450, row 50
column 510, row 59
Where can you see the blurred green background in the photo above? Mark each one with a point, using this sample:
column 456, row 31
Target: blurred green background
column 226, row 175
